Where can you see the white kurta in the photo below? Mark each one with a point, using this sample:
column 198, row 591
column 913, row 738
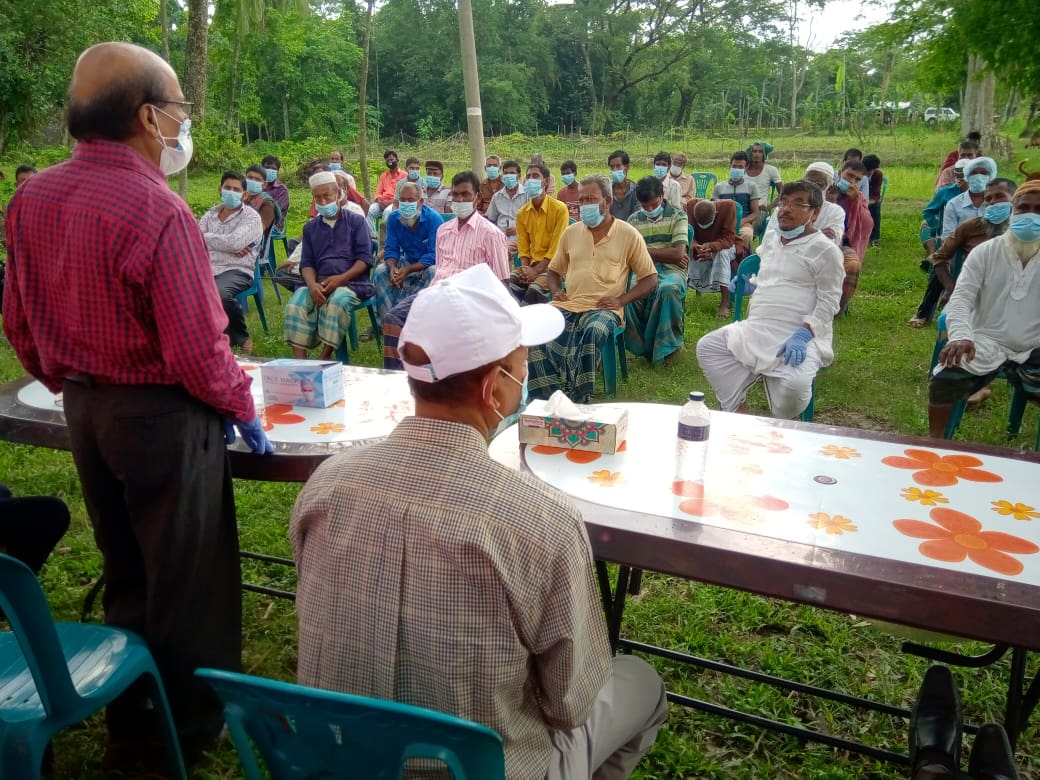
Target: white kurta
column 996, row 305
column 831, row 216
column 798, row 282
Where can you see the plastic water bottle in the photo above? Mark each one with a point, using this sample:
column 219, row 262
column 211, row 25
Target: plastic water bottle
column 691, row 442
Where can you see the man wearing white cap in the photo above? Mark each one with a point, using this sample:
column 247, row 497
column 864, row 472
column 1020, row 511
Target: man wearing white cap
column 970, row 204
column 335, row 262
column 466, row 586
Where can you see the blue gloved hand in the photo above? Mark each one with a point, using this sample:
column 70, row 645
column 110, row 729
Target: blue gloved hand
column 793, row 350
column 229, row 431
column 252, row 434
column 749, row 286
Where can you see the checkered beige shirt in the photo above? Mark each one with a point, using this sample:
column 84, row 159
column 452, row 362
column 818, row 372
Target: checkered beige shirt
column 432, row 575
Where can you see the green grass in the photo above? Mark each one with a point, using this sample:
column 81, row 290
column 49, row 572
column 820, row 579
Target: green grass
column 877, row 382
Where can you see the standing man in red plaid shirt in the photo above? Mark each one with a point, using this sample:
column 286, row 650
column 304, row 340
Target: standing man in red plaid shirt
column 110, row 298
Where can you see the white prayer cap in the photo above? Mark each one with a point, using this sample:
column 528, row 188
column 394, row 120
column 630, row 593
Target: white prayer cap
column 321, row 177
column 821, row 167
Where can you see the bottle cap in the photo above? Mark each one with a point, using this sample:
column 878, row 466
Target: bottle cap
column 696, row 395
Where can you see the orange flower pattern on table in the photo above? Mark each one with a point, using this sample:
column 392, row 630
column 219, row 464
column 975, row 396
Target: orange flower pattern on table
column 956, row 536
column 839, row 452
column 742, row 509
column 279, row 414
column 606, row 478
column 327, row 427
column 935, row 470
column 832, row 524
column 1017, row 511
column 771, row 442
column 926, row 497
column 574, row 456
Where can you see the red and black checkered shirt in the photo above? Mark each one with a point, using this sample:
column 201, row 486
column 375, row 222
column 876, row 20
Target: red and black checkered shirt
column 108, row 276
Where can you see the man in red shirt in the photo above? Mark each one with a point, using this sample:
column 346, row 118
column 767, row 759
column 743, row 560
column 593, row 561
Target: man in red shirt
column 110, row 298
column 385, row 189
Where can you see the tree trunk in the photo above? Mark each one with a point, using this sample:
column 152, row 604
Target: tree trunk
column 362, row 100
column 682, row 113
column 285, row 114
column 970, row 101
column 164, row 22
column 195, row 64
column 1034, row 111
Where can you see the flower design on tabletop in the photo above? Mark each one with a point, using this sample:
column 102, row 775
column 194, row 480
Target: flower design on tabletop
column 771, row 442
column 926, row 497
column 278, row 414
column 1017, row 510
column 606, row 478
column 327, row 427
column 574, row 456
column 839, row 452
column 832, row 524
column 955, row 536
column 745, row 510
column 341, row 403
column 935, row 470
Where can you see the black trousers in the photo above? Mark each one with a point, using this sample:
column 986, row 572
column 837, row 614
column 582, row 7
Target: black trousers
column 230, row 284
column 875, row 213
column 157, row 486
column 31, row 527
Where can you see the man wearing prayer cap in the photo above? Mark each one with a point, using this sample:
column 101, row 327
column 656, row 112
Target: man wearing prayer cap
column 968, row 205
column 993, row 318
column 335, row 262
column 460, row 584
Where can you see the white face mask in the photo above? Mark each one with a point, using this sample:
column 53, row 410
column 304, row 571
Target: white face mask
column 175, row 159
column 462, row 209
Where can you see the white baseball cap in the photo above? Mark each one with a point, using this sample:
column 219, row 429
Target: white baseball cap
column 470, row 320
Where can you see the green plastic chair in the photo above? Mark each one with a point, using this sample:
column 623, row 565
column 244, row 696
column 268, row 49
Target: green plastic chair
column 54, row 675
column 884, row 189
column 705, row 183
column 257, row 291
column 303, row 732
column 342, row 351
column 612, row 354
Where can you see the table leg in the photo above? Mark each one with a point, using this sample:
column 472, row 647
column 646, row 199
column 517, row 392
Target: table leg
column 1014, row 717
column 613, row 600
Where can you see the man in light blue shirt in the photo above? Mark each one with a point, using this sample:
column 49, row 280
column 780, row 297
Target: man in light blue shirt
column 972, row 203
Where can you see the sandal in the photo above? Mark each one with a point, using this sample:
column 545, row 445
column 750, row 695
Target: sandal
column 917, row 322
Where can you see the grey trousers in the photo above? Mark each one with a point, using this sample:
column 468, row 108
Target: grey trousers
column 620, row 730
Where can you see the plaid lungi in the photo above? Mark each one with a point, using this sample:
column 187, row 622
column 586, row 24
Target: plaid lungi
column 307, row 325
column 655, row 325
column 569, row 361
column 393, row 322
column 706, row 276
column 387, row 296
column 848, row 286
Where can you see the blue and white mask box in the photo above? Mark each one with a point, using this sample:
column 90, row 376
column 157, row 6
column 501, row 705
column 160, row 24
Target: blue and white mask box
column 317, row 383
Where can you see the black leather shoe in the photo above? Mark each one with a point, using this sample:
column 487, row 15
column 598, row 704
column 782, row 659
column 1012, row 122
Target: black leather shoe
column 935, row 727
column 991, row 757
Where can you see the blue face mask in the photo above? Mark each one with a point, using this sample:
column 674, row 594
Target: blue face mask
column 230, row 198
column 568, row 178
column 660, row 171
column 272, row 174
column 335, row 166
column 997, row 213
column 253, row 187
column 1026, row 227
column 533, row 188
column 655, row 213
column 507, row 420
column 492, row 172
column 736, row 174
column 407, row 210
column 510, row 180
column 413, row 174
column 617, row 176
column 792, row 233
column 843, row 185
column 590, row 214
column 977, row 182
column 433, row 182
column 328, row 210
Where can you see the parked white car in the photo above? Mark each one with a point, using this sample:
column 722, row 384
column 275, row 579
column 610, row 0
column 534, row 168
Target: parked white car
column 946, row 114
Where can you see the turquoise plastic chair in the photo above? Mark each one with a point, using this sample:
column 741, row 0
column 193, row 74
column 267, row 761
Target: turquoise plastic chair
column 342, row 351
column 54, row 675
column 613, row 354
column 1018, row 396
column 303, row 732
column 269, row 262
column 705, row 183
column 257, row 291
column 750, row 265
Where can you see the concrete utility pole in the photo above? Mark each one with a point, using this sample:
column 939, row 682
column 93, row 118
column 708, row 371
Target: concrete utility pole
column 474, row 115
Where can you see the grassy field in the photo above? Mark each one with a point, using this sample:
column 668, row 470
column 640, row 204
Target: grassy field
column 876, row 382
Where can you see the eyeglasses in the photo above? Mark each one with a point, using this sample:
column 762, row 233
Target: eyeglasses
column 185, row 105
column 786, row 204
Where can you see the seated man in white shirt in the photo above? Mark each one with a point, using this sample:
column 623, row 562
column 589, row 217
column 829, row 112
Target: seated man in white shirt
column 233, row 236
column 786, row 337
column 672, row 191
column 831, row 221
column 992, row 318
column 507, row 202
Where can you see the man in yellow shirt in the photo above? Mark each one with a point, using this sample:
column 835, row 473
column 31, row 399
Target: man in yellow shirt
column 595, row 258
column 539, row 224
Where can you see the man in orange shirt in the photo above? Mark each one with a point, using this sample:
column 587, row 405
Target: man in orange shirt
column 384, row 190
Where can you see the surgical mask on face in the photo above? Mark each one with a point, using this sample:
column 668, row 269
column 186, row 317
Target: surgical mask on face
column 433, row 182
column 997, row 213
column 675, row 170
column 617, row 176
column 977, row 182
column 568, row 179
column 327, row 210
column 1026, row 227
column 533, row 187
column 492, row 172
column 507, row 420
column 792, row 233
column 230, row 198
column 705, row 226
column 272, row 174
column 736, row 174
column 510, row 180
column 175, row 159
column 462, row 210
column 843, row 185
column 590, row 214
column 253, row 187
column 654, row 213
column 660, row 171
column 335, row 166
column 408, row 211
column 413, row 174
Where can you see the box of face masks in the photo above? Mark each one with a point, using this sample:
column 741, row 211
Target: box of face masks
column 560, row 423
column 317, row 383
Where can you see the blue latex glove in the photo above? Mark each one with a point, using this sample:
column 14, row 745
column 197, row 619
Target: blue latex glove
column 793, row 350
column 749, row 286
column 252, row 434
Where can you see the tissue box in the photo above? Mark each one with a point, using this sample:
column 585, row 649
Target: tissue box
column 604, row 429
column 317, row 383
